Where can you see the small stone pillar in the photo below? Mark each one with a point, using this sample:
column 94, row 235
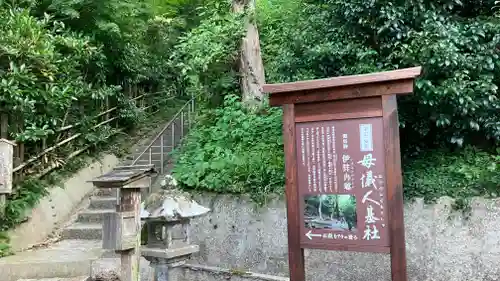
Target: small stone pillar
column 168, row 222
column 6, row 167
column 121, row 229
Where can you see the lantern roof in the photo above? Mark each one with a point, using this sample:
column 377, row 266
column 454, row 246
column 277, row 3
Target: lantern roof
column 171, row 206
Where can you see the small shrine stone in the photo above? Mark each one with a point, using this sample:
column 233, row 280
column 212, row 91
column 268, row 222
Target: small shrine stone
column 171, row 204
column 163, row 211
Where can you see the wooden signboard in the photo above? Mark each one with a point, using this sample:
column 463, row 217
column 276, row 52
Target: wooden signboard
column 6, row 167
column 343, row 166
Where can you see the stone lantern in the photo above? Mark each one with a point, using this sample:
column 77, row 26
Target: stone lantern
column 167, row 215
column 121, row 229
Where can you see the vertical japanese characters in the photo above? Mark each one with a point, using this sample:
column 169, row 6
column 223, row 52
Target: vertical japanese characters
column 338, row 159
column 319, row 157
column 347, row 168
column 368, row 183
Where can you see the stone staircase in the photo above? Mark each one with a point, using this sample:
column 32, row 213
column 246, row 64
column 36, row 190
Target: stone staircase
column 88, row 224
column 78, row 254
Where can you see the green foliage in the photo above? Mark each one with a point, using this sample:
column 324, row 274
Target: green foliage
column 233, row 150
column 456, row 100
column 49, row 71
column 45, row 83
column 207, row 55
column 49, row 80
column 131, row 33
column 460, row 175
column 30, row 191
column 64, row 62
column 42, row 66
column 4, row 244
column 326, row 207
column 26, row 195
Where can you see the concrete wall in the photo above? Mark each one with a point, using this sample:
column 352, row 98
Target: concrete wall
column 192, row 272
column 441, row 245
column 58, row 206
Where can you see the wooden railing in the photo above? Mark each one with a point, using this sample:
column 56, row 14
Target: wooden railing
column 44, row 156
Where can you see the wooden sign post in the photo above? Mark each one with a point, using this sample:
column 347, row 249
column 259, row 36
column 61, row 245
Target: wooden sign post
column 343, row 166
column 6, row 167
column 121, row 230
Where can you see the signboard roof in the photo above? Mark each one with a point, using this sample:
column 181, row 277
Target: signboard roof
column 387, row 76
column 344, row 87
column 123, row 175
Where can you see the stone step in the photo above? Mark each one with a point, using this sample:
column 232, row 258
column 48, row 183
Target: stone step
column 145, row 161
column 100, row 203
column 167, row 137
column 155, row 149
column 157, row 163
column 81, row 278
column 154, row 156
column 70, row 258
column 93, row 216
column 83, row 231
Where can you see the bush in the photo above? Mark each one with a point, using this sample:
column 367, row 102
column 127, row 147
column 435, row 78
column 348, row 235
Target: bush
column 43, row 68
column 62, row 63
column 455, row 103
column 207, row 55
column 233, row 150
column 137, row 37
column 460, row 175
column 456, row 100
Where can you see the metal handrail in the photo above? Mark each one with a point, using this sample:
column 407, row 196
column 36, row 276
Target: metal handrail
column 161, row 135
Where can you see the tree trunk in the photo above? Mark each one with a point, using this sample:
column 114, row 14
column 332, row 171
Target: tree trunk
column 337, row 208
column 320, row 207
column 251, row 68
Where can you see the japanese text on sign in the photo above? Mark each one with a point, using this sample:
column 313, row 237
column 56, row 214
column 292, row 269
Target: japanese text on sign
column 373, row 203
column 341, row 182
column 318, row 156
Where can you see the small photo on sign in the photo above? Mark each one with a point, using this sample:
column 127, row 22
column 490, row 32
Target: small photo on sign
column 330, row 211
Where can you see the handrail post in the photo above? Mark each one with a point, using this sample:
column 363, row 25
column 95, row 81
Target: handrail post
column 150, row 156
column 189, row 116
column 173, row 137
column 150, row 188
column 182, row 124
column 162, row 137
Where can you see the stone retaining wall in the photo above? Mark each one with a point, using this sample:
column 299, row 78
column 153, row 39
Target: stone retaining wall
column 58, row 206
column 441, row 244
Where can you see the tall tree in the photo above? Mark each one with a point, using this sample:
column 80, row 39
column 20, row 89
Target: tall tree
column 251, row 68
column 320, row 206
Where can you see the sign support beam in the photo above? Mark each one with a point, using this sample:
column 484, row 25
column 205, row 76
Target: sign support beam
column 343, row 165
column 395, row 190
column 295, row 252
